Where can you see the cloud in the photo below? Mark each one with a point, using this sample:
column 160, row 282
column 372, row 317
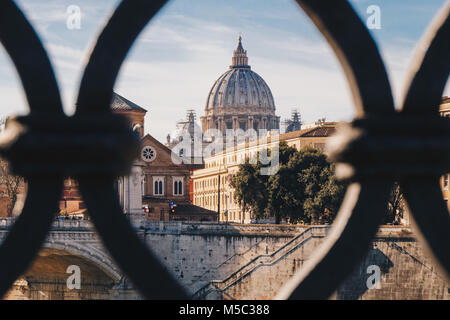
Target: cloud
column 13, row 100
column 182, row 52
column 64, row 51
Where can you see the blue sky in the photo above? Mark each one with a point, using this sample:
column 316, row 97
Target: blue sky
column 189, row 44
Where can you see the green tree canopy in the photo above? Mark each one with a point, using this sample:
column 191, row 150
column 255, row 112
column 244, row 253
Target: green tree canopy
column 303, row 190
column 251, row 187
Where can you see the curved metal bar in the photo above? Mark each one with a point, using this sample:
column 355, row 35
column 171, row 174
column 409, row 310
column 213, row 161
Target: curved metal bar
column 112, row 46
column 139, row 264
column 30, row 59
column 430, row 68
column 357, row 53
column 432, row 218
column 94, row 97
column 423, row 97
column 359, row 215
column 24, row 240
column 28, row 233
column 364, row 206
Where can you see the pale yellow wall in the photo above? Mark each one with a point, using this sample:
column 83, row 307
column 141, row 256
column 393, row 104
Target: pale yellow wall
column 227, row 163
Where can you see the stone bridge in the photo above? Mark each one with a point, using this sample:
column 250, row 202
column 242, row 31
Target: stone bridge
column 223, row 261
column 70, row 242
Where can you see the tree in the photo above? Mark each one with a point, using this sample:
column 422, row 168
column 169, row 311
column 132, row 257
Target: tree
column 323, row 206
column 11, row 186
column 306, row 190
column 250, row 187
column 284, row 195
column 303, row 190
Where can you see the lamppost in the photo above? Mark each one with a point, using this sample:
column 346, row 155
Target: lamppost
column 218, row 192
column 226, row 208
column 218, row 196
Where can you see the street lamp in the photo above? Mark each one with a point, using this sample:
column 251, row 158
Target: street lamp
column 226, row 208
column 218, row 192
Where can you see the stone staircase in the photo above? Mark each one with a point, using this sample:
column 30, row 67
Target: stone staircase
column 216, row 289
column 215, row 272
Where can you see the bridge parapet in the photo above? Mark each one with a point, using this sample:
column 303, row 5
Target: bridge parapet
column 6, row 223
column 214, row 228
column 65, row 224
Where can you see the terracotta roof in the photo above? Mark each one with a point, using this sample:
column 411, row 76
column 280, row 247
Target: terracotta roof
column 320, row 131
column 324, row 131
column 122, row 104
column 293, row 134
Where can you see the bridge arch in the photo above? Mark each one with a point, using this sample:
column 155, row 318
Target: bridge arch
column 91, row 253
column 47, row 277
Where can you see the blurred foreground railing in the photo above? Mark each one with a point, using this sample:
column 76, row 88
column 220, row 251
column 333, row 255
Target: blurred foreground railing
column 410, row 145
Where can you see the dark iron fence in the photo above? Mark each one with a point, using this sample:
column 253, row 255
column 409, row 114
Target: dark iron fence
column 382, row 145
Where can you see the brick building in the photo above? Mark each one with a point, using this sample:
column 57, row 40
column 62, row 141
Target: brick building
column 155, row 184
column 166, row 185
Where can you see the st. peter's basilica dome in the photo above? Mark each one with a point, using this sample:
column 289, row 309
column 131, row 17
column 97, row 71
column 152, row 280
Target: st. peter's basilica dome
column 240, row 99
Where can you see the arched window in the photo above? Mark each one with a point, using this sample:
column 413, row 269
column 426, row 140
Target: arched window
column 158, row 186
column 177, row 186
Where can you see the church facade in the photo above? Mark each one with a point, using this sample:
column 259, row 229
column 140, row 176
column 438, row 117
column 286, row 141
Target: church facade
column 157, row 187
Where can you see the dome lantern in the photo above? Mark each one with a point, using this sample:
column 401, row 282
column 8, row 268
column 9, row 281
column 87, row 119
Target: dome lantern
column 239, row 59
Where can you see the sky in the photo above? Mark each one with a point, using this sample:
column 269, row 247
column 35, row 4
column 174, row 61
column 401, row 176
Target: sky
column 189, row 44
